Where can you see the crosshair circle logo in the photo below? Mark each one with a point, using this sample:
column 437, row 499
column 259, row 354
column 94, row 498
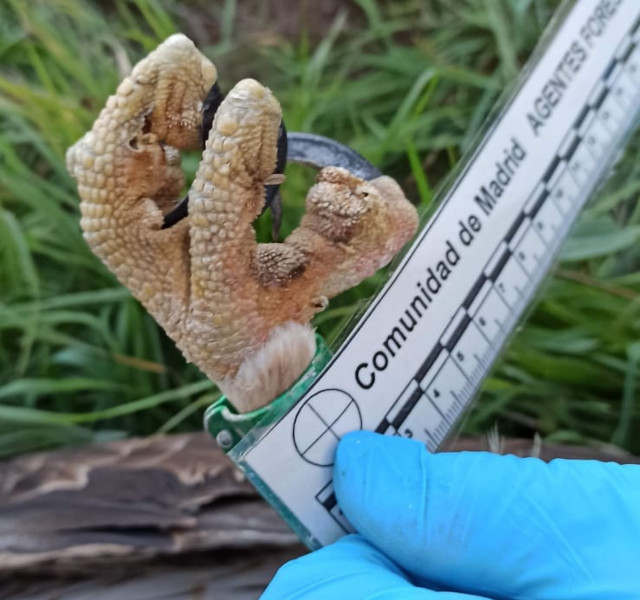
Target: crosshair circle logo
column 321, row 421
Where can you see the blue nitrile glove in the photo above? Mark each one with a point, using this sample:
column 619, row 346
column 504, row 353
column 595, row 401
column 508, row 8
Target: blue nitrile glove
column 470, row 526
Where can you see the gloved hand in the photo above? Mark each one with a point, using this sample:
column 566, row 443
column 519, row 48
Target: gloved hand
column 471, row 526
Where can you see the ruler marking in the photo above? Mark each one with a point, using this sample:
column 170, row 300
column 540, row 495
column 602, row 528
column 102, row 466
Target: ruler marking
column 479, row 298
column 484, row 335
column 597, row 96
column 536, row 200
column 582, row 115
column 609, row 69
column 407, row 407
column 480, row 359
column 572, row 147
column 625, row 47
column 383, row 427
column 475, row 289
column 330, row 504
column 516, row 231
column 456, row 405
column 428, row 378
column 628, row 51
column 586, row 123
column 458, row 331
column 536, row 224
column 434, row 393
column 525, row 224
column 551, row 169
column 389, row 418
column 504, row 259
column 431, row 442
column 429, row 361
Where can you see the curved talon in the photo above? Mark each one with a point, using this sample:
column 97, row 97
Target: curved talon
column 238, row 309
column 210, row 107
column 272, row 198
column 318, row 151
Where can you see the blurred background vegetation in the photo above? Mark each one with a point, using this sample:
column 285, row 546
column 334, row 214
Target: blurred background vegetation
column 405, row 82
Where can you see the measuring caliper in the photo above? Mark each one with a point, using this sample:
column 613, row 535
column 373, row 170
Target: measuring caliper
column 413, row 362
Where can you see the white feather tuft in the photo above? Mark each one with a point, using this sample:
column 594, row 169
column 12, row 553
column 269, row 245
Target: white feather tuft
column 272, row 369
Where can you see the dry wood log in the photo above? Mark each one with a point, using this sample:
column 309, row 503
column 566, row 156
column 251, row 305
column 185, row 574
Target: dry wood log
column 77, row 510
column 162, row 517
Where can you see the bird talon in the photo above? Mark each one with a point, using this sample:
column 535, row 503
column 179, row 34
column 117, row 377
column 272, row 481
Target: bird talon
column 237, row 309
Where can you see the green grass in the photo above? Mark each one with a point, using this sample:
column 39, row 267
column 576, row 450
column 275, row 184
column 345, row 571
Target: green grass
column 408, row 84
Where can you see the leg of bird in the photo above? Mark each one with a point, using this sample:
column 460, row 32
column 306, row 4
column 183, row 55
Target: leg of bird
column 239, row 310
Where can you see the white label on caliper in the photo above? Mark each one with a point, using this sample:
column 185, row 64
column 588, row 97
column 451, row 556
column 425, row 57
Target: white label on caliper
column 416, row 358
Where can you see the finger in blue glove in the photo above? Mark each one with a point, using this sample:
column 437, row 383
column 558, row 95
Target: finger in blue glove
column 350, row 569
column 496, row 526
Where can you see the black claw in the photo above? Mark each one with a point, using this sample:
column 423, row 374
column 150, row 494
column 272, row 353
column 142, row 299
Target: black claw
column 272, row 198
column 180, row 211
column 209, row 108
column 319, row 152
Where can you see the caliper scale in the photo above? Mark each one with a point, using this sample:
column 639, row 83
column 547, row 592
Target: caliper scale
column 413, row 362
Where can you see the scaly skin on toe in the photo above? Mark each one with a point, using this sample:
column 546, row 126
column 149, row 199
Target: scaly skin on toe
column 237, row 309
